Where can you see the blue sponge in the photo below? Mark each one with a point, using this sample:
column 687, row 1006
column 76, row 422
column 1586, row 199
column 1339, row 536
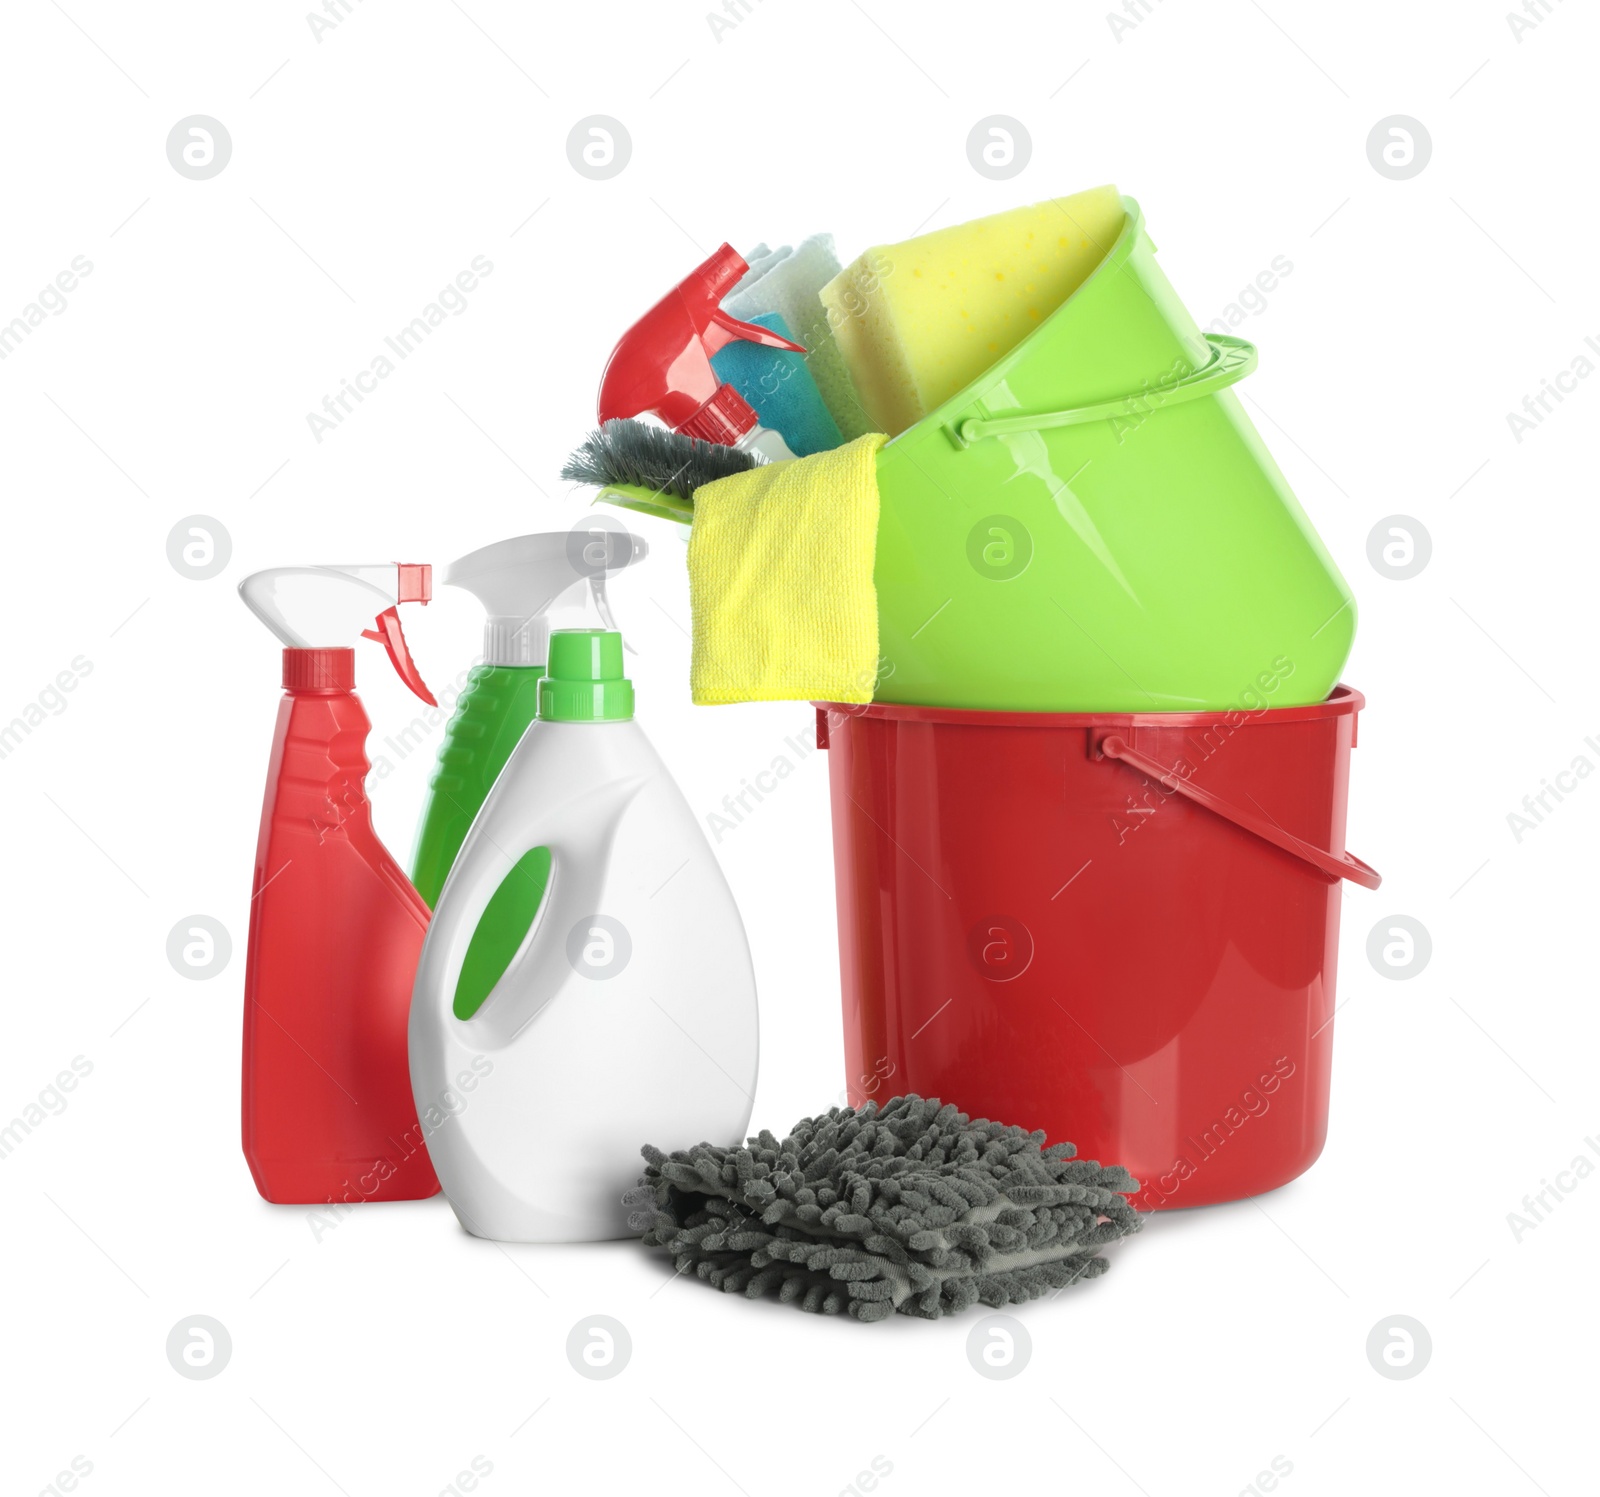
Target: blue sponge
column 780, row 387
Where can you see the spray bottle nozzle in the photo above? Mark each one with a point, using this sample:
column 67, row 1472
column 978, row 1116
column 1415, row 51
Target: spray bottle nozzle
column 662, row 364
column 415, row 582
column 520, row 580
column 320, row 608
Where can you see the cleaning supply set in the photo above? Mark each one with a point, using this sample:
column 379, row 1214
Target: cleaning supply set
column 585, row 982
column 987, row 499
column 1089, row 797
column 1090, row 522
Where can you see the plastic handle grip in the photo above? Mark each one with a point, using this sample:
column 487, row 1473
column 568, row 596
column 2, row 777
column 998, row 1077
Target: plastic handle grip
column 578, row 831
column 1331, row 867
column 1231, row 360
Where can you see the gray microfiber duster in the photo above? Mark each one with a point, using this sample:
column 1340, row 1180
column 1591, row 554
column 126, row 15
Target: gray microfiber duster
column 911, row 1206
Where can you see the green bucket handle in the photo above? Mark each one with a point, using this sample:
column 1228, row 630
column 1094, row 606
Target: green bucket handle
column 1231, row 360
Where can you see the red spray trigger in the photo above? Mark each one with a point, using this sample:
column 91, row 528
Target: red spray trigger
column 392, row 637
column 726, row 329
column 662, row 364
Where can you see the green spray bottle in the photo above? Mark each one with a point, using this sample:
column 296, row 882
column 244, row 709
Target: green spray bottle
column 518, row 581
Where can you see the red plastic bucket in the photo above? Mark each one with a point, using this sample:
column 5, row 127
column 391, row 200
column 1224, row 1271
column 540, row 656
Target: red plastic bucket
column 1119, row 928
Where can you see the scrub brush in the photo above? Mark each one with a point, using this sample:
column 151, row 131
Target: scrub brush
column 909, row 1207
column 650, row 468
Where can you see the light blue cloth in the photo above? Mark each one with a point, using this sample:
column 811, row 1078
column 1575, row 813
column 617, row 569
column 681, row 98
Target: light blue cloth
column 780, row 387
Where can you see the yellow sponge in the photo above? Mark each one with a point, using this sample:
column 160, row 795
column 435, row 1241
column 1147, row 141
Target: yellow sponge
column 919, row 321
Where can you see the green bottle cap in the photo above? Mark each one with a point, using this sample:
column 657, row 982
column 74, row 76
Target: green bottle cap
column 583, row 680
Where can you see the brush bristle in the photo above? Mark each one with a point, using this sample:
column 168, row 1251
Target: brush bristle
column 652, row 457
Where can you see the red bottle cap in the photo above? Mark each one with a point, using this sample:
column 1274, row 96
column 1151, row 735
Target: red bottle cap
column 319, row 670
column 723, row 419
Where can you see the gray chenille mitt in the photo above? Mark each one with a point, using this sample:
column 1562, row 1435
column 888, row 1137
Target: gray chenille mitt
column 911, row 1206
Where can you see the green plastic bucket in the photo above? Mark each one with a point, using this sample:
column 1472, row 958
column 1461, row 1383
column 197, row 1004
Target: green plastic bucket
column 1094, row 525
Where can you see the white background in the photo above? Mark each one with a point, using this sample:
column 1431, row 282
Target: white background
column 368, row 168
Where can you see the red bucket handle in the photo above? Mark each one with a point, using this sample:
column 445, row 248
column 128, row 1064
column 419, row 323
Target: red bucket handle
column 1113, row 746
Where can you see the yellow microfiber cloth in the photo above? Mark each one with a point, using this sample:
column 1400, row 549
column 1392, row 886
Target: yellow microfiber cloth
column 780, row 580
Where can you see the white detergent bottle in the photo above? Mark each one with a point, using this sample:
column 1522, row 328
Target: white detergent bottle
column 628, row 1014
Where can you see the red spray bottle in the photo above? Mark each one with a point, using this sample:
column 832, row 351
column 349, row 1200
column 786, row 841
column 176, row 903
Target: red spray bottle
column 335, row 927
